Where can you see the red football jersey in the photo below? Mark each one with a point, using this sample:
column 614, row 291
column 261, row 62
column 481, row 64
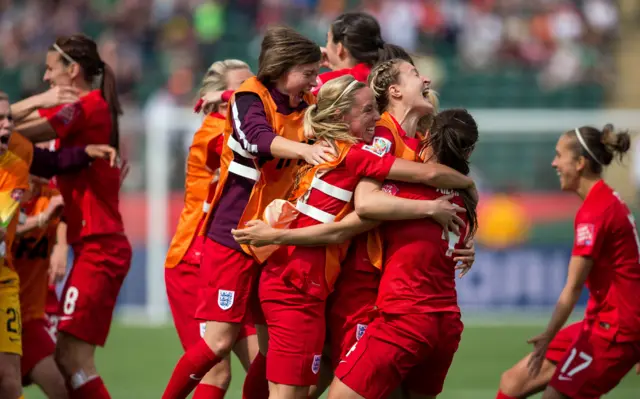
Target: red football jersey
column 360, row 72
column 90, row 195
column 383, row 138
column 383, row 133
column 605, row 231
column 361, row 161
column 418, row 274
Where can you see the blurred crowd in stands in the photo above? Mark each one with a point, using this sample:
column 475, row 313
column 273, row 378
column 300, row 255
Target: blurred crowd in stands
column 167, row 44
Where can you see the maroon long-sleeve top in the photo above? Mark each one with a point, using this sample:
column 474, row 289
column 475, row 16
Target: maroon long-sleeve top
column 252, row 130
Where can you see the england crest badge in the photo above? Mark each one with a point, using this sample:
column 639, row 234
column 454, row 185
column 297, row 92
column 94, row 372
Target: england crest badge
column 225, row 299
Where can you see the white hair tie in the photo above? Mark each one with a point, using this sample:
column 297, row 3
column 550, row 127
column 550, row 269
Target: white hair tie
column 62, row 53
column 346, row 90
column 584, row 145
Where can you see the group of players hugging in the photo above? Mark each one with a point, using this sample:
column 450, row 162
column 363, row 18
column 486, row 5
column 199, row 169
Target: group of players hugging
column 325, row 219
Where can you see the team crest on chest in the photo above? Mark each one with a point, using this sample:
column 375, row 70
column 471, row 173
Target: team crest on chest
column 225, row 299
column 315, row 366
column 378, row 146
column 360, row 330
column 68, row 113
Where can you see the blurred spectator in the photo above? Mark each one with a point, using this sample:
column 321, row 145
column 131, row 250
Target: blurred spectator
column 559, row 38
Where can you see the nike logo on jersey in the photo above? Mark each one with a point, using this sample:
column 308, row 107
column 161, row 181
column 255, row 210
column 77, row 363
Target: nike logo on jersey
column 195, row 377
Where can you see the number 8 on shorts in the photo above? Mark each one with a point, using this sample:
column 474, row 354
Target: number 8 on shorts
column 70, row 299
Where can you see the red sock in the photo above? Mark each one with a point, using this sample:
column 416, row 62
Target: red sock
column 255, row 384
column 93, row 389
column 191, row 367
column 206, row 391
column 503, row 396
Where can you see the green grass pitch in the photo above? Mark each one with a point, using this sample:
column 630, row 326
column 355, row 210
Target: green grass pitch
column 138, row 362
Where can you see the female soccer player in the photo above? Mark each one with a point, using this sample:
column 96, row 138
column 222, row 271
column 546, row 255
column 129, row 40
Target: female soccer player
column 18, row 157
column 402, row 97
column 591, row 356
column 35, row 240
column 296, row 281
column 264, row 138
column 102, row 253
column 354, row 46
column 417, row 332
column 182, row 267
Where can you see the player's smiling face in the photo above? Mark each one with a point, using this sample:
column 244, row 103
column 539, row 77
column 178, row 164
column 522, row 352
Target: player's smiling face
column 56, row 74
column 301, row 79
column 6, row 125
column 567, row 164
column 363, row 115
column 414, row 89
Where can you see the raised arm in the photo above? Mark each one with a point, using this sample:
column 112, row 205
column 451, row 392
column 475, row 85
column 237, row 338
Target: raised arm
column 259, row 233
column 31, row 122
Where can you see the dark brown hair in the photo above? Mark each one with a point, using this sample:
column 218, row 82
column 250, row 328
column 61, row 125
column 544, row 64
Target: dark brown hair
column 360, row 34
column 452, row 138
column 84, row 51
column 282, row 49
column 602, row 145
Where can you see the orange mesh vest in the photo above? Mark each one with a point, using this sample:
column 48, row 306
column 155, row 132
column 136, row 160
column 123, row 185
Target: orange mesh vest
column 402, row 150
column 281, row 213
column 274, row 179
column 14, row 181
column 31, row 258
column 196, row 189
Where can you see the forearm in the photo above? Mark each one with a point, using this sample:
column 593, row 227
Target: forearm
column 61, row 234
column 432, row 174
column 287, row 149
column 32, row 223
column 36, row 129
column 26, row 110
column 325, row 233
column 51, row 163
column 382, row 206
column 565, row 305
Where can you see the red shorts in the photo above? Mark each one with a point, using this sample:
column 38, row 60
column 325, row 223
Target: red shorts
column 183, row 283
column 229, row 285
column 415, row 350
column 349, row 308
column 593, row 366
column 99, row 267
column 38, row 343
column 562, row 341
column 296, row 325
column 52, row 305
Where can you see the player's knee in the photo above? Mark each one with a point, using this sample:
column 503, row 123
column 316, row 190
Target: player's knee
column 512, row 381
column 10, row 383
column 220, row 344
column 48, row 377
column 10, row 378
